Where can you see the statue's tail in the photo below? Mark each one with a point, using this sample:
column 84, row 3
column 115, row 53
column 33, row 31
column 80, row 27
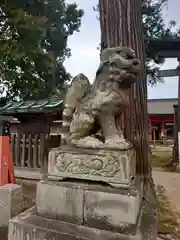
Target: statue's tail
column 80, row 86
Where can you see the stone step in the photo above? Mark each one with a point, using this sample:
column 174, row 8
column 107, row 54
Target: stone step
column 29, row 225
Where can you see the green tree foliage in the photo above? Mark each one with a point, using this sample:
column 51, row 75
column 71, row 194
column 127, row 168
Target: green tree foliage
column 33, row 46
column 155, row 28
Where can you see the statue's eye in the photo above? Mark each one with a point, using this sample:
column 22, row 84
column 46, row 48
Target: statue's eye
column 118, row 52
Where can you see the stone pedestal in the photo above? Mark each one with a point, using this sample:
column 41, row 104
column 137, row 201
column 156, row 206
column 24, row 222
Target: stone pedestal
column 90, row 204
column 117, row 168
column 30, row 226
column 11, row 200
column 89, row 194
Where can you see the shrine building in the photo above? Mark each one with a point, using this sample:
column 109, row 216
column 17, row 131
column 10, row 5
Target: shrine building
column 161, row 119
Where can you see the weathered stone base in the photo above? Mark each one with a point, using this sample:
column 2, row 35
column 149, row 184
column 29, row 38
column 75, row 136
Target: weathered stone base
column 93, row 205
column 11, row 200
column 30, row 226
column 117, row 168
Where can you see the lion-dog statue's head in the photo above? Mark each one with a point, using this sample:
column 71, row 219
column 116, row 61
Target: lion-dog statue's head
column 123, row 65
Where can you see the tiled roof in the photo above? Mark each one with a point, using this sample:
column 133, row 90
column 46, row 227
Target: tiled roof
column 155, row 106
column 37, row 106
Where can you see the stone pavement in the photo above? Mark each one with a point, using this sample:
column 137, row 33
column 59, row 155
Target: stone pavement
column 171, row 182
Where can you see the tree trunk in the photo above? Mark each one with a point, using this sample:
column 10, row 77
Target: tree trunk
column 121, row 24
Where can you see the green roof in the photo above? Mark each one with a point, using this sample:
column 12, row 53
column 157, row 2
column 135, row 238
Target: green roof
column 38, row 106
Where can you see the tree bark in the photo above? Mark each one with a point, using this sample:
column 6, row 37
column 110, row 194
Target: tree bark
column 121, row 25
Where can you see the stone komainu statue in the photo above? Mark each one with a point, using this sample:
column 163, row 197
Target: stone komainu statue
column 89, row 108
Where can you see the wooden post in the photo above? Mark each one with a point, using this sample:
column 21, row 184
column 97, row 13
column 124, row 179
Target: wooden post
column 178, row 116
column 176, row 148
column 150, row 129
column 6, row 162
column 163, row 131
column 121, row 24
column 154, row 136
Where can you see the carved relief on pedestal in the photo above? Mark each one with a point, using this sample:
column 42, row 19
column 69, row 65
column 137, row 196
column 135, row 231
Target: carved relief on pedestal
column 100, row 165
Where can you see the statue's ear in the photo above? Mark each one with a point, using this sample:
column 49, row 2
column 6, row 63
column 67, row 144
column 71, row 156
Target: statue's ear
column 107, row 53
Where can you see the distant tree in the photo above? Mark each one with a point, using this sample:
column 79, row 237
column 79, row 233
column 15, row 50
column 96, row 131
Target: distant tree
column 155, row 27
column 33, row 46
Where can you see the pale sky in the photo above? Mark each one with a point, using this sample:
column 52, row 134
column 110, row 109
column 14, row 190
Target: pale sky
column 85, row 56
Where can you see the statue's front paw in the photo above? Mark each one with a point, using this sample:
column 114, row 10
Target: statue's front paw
column 87, row 142
column 117, row 143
